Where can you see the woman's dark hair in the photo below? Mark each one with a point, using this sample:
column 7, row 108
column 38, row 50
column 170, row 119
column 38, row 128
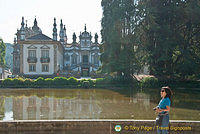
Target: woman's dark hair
column 168, row 92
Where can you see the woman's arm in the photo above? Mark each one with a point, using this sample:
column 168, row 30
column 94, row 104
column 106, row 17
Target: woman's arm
column 167, row 109
column 161, row 110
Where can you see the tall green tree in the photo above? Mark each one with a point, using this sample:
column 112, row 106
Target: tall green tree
column 2, row 52
column 165, row 33
column 118, row 26
column 170, row 36
column 187, row 56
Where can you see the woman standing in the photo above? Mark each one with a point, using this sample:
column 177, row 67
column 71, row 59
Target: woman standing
column 163, row 108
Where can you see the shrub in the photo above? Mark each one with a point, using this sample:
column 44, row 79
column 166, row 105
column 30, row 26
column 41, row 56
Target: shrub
column 73, row 81
column 39, row 82
column 49, row 82
column 7, row 82
column 18, row 82
column 28, row 82
column 85, row 84
column 92, row 82
column 60, row 81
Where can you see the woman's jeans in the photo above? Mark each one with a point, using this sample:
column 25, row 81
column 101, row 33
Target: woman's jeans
column 163, row 129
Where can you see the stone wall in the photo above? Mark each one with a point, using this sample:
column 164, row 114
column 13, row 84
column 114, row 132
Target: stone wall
column 94, row 127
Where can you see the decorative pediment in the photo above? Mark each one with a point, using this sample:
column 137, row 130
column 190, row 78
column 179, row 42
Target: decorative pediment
column 32, row 47
column 39, row 37
column 44, row 47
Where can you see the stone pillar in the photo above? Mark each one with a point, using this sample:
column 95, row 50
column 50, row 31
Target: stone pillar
column 21, row 59
column 90, row 59
column 55, row 58
column 80, row 58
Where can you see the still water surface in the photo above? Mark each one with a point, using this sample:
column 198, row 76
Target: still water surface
column 59, row 104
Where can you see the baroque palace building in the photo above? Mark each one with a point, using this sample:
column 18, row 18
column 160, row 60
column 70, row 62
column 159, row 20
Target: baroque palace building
column 36, row 54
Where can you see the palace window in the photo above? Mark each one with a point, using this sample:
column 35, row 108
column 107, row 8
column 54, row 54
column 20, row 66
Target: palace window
column 32, row 53
column 96, row 59
column 74, row 59
column 67, row 57
column 88, row 42
column 32, row 67
column 45, row 53
column 82, row 42
column 45, row 68
column 85, row 58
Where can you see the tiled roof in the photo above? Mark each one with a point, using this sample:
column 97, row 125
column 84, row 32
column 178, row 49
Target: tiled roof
column 39, row 37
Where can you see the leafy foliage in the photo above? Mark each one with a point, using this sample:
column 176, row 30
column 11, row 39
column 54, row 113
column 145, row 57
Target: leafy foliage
column 171, row 36
column 60, row 81
column 39, row 81
column 118, row 28
column 7, row 82
column 28, row 83
column 163, row 34
column 2, row 52
column 73, row 81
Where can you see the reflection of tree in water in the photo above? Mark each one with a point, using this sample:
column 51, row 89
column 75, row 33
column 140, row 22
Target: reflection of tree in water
column 2, row 103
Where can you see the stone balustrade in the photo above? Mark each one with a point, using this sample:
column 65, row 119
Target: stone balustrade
column 95, row 127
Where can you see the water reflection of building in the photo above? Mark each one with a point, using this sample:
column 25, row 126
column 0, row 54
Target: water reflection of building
column 2, row 107
column 8, row 113
column 31, row 108
column 78, row 105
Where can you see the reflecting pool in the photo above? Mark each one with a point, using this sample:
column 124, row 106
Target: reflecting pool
column 60, row 104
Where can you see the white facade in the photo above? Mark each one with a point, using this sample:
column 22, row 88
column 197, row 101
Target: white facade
column 73, row 59
column 38, row 48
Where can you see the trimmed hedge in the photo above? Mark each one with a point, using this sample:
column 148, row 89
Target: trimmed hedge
column 73, row 81
column 16, row 82
column 40, row 82
column 62, row 82
column 28, row 83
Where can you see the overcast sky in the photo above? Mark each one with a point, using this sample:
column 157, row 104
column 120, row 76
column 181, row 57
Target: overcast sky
column 74, row 13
